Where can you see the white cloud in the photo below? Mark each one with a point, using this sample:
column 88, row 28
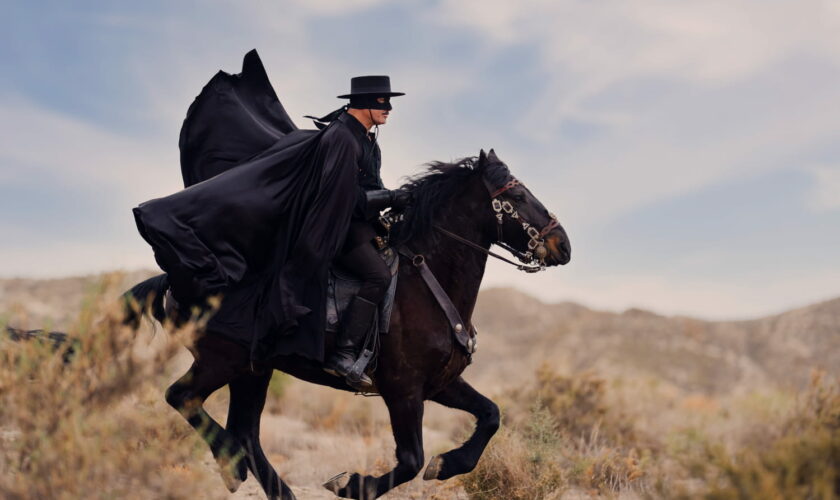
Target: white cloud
column 77, row 153
column 716, row 41
column 336, row 7
column 586, row 47
column 81, row 153
column 825, row 194
column 738, row 102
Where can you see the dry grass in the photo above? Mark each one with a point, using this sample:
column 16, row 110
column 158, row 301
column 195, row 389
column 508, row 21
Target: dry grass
column 95, row 427
column 578, row 438
column 99, row 428
column 568, row 438
column 800, row 458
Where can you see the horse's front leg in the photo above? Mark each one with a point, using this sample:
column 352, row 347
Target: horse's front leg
column 407, row 424
column 460, row 395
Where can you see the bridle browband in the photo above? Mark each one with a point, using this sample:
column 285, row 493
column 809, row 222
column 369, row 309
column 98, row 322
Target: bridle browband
column 508, row 185
column 536, row 244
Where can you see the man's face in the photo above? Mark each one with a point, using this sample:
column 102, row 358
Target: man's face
column 380, row 116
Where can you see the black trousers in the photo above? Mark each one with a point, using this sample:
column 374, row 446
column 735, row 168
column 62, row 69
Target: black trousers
column 364, row 261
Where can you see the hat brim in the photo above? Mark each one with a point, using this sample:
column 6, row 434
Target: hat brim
column 377, row 94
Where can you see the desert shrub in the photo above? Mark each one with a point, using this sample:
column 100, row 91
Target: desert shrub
column 576, row 403
column 96, row 426
column 569, row 437
column 343, row 413
column 802, row 461
column 579, row 406
column 519, row 464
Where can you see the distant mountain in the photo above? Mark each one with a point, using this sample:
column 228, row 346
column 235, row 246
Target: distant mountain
column 518, row 332
column 55, row 303
column 691, row 354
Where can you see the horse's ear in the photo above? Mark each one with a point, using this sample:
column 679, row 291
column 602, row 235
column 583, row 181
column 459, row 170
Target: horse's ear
column 492, row 156
column 482, row 158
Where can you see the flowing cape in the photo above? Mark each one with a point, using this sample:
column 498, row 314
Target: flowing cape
column 265, row 209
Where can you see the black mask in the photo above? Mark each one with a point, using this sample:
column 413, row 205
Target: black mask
column 369, row 102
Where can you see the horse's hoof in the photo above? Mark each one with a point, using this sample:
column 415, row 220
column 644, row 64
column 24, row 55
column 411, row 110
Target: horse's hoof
column 232, row 482
column 334, row 483
column 234, row 471
column 434, row 468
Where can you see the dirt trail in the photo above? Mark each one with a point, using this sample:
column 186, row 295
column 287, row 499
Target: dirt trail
column 306, row 457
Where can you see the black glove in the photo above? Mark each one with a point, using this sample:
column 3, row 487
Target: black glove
column 380, row 199
column 402, row 199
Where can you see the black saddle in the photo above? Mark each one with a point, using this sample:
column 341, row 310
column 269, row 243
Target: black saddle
column 343, row 285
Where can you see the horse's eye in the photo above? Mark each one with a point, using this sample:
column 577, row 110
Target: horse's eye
column 519, row 197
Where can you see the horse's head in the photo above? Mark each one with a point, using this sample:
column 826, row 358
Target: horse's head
column 482, row 194
column 522, row 223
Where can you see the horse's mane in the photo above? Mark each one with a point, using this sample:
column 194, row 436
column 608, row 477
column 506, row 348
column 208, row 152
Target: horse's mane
column 432, row 188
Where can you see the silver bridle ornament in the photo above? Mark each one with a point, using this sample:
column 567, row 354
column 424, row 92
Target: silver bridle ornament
column 536, row 242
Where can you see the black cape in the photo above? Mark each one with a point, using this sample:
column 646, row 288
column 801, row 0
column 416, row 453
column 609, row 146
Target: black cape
column 265, row 209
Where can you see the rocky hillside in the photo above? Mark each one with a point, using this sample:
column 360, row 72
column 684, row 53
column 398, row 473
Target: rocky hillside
column 694, row 355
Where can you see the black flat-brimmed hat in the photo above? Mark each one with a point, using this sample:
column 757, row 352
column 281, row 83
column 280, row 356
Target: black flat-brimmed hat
column 378, row 85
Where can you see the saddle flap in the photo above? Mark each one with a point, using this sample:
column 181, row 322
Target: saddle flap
column 342, row 286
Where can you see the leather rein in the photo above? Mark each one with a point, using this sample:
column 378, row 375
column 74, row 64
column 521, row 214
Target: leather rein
column 461, row 239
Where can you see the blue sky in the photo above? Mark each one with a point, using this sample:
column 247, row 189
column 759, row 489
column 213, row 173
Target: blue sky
column 690, row 149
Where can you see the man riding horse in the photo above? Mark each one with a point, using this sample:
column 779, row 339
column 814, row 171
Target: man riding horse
column 266, row 210
column 369, row 107
column 268, row 207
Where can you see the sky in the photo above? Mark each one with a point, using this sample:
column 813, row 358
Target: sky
column 690, row 149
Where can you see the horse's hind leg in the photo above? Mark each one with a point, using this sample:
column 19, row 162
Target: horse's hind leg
column 460, row 395
column 407, row 424
column 247, row 399
column 214, row 368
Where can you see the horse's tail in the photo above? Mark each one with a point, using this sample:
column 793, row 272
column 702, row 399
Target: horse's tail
column 58, row 340
column 149, row 296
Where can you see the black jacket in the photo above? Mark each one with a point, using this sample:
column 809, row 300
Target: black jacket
column 368, row 177
column 369, row 165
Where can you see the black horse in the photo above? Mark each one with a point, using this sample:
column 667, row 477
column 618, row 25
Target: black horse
column 475, row 200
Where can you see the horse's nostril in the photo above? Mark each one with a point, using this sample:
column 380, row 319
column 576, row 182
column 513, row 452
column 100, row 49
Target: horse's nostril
column 559, row 250
column 553, row 245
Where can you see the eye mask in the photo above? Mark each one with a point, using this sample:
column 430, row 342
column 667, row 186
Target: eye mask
column 369, row 102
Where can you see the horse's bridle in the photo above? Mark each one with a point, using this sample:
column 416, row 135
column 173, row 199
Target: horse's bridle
column 536, row 243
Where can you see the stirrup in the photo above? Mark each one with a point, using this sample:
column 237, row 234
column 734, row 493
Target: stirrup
column 356, row 375
column 357, row 380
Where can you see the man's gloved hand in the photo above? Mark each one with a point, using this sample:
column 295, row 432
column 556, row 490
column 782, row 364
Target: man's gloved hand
column 380, row 199
column 401, row 198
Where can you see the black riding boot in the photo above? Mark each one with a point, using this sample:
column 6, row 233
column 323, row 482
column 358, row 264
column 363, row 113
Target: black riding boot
column 354, row 330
